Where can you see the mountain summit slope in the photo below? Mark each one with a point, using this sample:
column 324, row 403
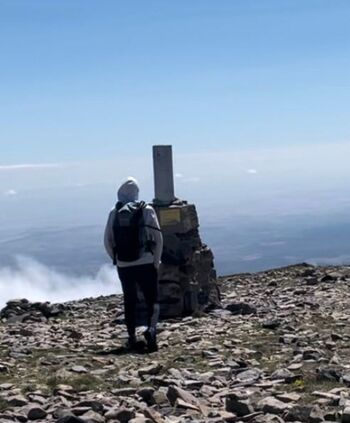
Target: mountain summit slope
column 277, row 351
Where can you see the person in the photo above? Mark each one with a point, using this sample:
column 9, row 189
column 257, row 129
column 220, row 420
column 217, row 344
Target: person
column 136, row 268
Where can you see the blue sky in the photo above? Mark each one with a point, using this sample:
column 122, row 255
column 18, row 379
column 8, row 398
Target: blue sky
column 91, row 80
column 253, row 95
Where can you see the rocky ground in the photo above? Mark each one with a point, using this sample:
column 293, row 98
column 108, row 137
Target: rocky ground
column 277, row 351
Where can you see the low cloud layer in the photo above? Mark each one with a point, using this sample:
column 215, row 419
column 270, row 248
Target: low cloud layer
column 37, row 282
column 341, row 260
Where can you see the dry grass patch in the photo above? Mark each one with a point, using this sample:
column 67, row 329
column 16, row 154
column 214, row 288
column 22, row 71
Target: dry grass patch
column 78, row 383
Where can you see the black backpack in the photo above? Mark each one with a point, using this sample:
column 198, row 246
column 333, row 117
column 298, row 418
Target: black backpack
column 128, row 229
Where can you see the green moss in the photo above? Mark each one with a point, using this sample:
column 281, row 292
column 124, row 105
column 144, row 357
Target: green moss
column 30, row 387
column 309, row 383
column 298, row 384
column 3, row 405
column 3, row 352
column 5, row 378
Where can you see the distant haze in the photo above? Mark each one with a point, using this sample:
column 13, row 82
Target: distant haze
column 258, row 209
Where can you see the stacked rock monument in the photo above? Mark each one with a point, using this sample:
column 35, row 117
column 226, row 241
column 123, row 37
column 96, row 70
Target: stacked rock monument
column 187, row 277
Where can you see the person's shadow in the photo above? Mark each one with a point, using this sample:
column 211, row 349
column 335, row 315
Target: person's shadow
column 140, row 348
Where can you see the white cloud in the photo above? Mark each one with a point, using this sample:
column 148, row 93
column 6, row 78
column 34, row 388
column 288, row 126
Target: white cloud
column 251, row 257
column 341, row 260
column 37, row 282
column 10, row 193
column 193, row 179
column 252, row 171
column 30, row 166
column 185, row 178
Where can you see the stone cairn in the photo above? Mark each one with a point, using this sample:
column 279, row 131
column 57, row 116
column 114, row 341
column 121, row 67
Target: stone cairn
column 187, row 277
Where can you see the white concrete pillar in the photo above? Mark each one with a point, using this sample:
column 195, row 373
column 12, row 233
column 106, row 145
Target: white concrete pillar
column 163, row 174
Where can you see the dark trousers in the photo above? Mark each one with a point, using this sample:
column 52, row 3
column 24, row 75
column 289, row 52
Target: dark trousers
column 145, row 277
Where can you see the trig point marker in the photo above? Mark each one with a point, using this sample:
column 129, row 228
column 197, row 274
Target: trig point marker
column 163, row 174
column 187, row 277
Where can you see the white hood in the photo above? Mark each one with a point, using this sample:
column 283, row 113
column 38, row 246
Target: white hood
column 128, row 191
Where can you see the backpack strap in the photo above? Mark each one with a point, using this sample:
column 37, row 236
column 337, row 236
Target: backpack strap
column 118, row 206
column 153, row 227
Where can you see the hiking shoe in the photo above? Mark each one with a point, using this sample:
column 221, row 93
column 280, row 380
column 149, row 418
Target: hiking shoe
column 151, row 339
column 131, row 343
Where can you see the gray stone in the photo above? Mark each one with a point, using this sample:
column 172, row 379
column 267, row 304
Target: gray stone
column 61, row 413
column 241, row 308
column 17, row 401
column 35, row 412
column 71, row 419
column 289, row 397
column 20, row 311
column 346, row 379
column 331, row 374
column 272, row 405
column 96, row 406
column 79, row 369
column 271, row 324
column 283, row 374
column 332, row 415
column 345, row 418
column 152, row 369
column 160, row 398
column 299, row 413
column 207, row 362
column 238, row 404
column 316, row 415
column 140, row 420
column 268, row 418
column 93, row 417
column 3, row 368
column 5, row 386
column 124, row 392
column 123, row 415
column 175, row 392
column 250, row 375
column 147, row 394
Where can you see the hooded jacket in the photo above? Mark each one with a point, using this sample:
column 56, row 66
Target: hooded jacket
column 129, row 192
